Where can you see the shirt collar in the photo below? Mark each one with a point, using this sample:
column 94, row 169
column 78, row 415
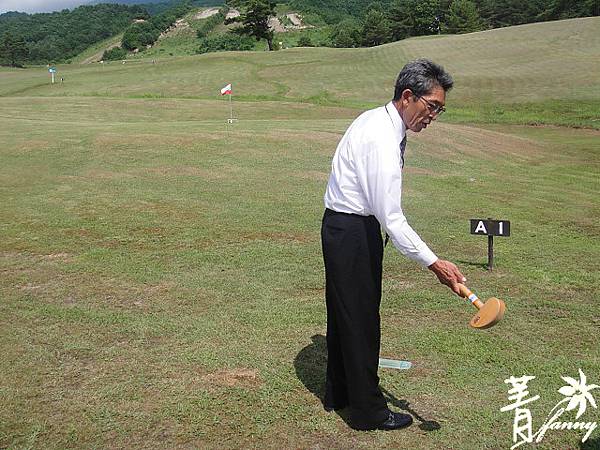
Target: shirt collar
column 397, row 121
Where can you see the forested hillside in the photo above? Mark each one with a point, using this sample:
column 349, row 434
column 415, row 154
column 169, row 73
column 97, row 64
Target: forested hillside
column 141, row 34
column 158, row 6
column 495, row 13
column 356, row 23
column 56, row 37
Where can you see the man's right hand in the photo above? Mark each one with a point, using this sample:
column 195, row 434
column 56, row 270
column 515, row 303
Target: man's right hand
column 448, row 274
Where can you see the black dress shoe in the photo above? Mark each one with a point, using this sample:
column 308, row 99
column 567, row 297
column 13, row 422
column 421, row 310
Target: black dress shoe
column 395, row 420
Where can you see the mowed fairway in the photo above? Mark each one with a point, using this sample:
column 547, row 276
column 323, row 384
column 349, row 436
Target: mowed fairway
column 161, row 277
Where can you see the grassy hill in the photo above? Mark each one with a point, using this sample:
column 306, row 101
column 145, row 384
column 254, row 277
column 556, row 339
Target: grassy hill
column 502, row 75
column 162, row 279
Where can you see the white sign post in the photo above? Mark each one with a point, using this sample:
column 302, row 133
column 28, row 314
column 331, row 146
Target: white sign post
column 52, row 71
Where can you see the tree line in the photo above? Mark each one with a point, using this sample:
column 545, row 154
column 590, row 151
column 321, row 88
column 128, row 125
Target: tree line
column 357, row 23
column 494, row 13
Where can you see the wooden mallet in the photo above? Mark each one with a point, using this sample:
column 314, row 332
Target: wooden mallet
column 490, row 313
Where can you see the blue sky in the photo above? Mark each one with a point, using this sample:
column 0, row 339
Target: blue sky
column 30, row 6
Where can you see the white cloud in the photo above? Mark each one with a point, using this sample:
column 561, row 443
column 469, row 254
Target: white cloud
column 31, row 6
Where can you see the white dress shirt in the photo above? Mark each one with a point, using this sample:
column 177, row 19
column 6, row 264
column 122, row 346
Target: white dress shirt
column 366, row 178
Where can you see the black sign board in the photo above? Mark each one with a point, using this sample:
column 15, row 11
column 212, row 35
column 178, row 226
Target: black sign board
column 489, row 227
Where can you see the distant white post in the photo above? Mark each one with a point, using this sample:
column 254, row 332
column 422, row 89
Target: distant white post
column 52, row 71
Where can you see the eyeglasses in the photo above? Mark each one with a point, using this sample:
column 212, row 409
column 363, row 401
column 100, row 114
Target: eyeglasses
column 434, row 109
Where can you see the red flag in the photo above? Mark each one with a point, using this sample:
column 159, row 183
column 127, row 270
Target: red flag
column 226, row 89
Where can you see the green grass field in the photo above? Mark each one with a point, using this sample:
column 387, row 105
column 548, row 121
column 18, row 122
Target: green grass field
column 161, row 276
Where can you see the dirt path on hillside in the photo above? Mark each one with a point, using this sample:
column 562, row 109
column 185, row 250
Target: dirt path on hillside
column 205, row 14
column 96, row 57
column 232, row 14
column 295, row 19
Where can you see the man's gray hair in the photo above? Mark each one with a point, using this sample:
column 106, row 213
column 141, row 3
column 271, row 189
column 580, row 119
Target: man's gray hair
column 421, row 76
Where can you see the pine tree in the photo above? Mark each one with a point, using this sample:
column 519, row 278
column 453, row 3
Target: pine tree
column 346, row 34
column 563, row 9
column 255, row 19
column 375, row 30
column 426, row 17
column 401, row 20
column 463, row 17
column 593, row 7
column 13, row 50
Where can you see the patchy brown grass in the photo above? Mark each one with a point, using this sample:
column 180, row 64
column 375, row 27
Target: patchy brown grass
column 238, row 377
column 282, row 237
column 119, row 140
column 32, row 257
column 188, row 171
column 313, row 175
column 32, row 145
column 103, row 174
column 450, row 141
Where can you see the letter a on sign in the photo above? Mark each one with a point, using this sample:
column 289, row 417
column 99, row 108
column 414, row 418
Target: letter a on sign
column 480, row 228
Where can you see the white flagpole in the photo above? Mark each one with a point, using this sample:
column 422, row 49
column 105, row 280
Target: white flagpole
column 230, row 108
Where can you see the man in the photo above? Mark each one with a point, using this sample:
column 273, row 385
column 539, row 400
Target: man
column 363, row 194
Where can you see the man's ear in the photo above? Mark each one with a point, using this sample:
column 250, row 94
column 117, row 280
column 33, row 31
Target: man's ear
column 406, row 96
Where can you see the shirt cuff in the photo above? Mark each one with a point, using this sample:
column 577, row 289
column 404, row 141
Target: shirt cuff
column 425, row 257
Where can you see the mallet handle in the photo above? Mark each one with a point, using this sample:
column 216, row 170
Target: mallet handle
column 467, row 293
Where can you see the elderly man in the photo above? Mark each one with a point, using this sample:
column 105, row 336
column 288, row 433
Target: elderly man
column 363, row 194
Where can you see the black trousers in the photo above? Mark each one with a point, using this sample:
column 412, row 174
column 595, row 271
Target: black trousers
column 353, row 255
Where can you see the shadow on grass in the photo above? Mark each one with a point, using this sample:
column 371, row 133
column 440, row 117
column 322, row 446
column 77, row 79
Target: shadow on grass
column 479, row 265
column 425, row 425
column 590, row 444
column 311, row 367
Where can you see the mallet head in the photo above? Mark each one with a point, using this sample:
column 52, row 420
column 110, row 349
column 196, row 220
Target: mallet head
column 490, row 312
column 489, row 315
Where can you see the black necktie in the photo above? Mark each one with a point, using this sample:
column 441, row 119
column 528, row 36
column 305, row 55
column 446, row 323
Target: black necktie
column 402, row 148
